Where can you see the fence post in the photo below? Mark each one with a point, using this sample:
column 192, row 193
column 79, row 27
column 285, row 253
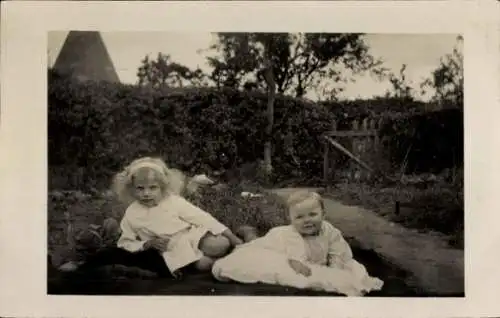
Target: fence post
column 328, row 165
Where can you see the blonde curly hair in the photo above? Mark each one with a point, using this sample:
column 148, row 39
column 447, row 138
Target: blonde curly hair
column 170, row 180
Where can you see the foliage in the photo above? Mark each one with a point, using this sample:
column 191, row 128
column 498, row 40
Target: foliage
column 300, row 61
column 376, row 108
column 95, row 128
column 448, row 79
column 401, row 88
column 98, row 127
column 164, row 72
column 428, row 142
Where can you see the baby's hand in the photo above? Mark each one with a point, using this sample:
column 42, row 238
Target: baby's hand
column 299, row 267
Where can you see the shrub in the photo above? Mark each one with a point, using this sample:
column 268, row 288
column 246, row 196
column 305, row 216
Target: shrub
column 429, row 142
column 98, row 127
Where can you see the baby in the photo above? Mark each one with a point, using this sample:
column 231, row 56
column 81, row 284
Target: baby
column 308, row 253
column 161, row 231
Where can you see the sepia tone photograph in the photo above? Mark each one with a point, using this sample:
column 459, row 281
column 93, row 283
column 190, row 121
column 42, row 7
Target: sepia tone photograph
column 255, row 164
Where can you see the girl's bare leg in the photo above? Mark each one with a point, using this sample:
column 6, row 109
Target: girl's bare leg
column 204, row 264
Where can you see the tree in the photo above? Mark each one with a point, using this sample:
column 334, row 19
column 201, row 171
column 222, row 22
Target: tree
column 300, row 62
column 447, row 80
column 269, row 41
column 401, row 88
column 164, row 72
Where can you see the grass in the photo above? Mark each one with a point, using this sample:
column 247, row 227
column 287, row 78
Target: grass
column 226, row 204
column 435, row 207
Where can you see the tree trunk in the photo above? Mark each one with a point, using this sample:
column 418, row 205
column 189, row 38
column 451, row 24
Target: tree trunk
column 271, row 91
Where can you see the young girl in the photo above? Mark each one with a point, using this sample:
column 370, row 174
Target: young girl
column 307, row 253
column 161, row 231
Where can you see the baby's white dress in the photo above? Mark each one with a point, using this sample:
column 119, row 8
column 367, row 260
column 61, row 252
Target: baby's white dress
column 174, row 218
column 329, row 256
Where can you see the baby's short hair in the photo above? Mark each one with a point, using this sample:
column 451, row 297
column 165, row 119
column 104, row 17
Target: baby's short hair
column 304, row 195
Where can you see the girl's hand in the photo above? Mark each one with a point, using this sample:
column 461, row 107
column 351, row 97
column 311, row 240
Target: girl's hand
column 299, row 267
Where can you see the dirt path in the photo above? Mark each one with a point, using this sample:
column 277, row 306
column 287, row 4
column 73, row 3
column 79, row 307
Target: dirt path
column 435, row 267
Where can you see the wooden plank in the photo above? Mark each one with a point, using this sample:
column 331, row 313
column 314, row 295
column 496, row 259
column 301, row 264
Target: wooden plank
column 353, row 157
column 348, row 153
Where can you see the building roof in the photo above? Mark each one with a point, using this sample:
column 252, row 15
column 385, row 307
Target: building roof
column 84, row 56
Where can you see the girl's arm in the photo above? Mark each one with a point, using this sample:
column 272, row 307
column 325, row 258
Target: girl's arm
column 339, row 251
column 194, row 215
column 128, row 239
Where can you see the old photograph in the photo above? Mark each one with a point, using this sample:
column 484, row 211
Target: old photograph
column 255, row 164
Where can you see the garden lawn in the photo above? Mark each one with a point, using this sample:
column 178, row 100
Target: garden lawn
column 78, row 210
column 229, row 207
column 436, row 208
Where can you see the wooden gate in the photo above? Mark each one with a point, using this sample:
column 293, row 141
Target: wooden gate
column 349, row 154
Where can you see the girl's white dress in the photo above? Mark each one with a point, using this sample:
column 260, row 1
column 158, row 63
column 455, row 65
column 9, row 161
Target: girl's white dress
column 329, row 256
column 174, row 218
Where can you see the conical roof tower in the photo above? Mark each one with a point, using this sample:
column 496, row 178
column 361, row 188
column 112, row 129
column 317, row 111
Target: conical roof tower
column 84, row 56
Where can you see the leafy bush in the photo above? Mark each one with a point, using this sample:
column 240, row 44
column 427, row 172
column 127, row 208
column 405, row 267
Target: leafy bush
column 97, row 127
column 429, row 142
column 379, row 107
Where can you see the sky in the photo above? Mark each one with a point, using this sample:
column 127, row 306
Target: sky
column 420, row 52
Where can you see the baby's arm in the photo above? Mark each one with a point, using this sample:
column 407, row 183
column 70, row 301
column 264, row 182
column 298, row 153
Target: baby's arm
column 274, row 241
column 299, row 267
column 339, row 251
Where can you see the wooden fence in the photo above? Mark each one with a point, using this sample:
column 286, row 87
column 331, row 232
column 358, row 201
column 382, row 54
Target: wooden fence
column 351, row 154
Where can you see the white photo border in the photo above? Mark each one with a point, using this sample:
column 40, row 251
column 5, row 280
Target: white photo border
column 23, row 136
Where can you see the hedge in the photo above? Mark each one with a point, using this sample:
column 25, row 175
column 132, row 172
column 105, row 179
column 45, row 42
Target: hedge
column 429, row 142
column 95, row 128
column 98, row 127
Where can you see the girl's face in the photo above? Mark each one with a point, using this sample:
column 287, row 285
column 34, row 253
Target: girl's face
column 307, row 217
column 147, row 189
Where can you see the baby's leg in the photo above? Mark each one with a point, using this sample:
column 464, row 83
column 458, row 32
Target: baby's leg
column 214, row 246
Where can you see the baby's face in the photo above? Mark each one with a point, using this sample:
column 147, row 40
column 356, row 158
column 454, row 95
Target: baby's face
column 307, row 217
column 147, row 189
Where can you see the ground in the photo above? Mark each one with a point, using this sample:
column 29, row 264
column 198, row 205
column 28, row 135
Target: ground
column 398, row 282
column 204, row 284
column 434, row 209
